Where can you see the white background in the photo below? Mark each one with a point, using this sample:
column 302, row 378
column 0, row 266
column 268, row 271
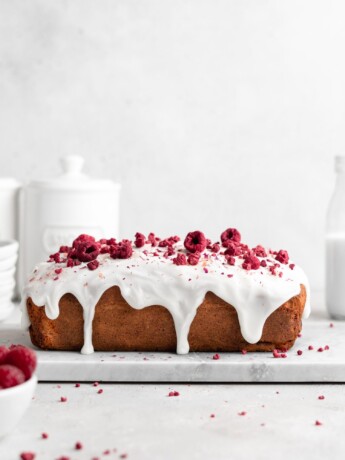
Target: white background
column 210, row 113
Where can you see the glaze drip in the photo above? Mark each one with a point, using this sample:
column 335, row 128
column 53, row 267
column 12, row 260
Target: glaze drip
column 147, row 278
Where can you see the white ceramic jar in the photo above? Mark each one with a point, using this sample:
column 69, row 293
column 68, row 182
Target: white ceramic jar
column 54, row 212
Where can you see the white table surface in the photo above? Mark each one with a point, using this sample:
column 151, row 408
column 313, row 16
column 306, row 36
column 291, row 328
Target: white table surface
column 140, row 420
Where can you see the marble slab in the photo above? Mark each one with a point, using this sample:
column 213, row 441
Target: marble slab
column 311, row 366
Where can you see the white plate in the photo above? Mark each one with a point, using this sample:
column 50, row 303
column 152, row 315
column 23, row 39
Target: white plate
column 8, row 248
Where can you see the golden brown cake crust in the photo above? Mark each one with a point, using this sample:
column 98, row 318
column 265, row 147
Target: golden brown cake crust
column 119, row 327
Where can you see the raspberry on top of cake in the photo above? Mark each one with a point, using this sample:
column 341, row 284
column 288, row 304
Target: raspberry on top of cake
column 173, row 273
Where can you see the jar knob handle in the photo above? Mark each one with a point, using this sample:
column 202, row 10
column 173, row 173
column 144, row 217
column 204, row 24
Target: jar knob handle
column 72, row 164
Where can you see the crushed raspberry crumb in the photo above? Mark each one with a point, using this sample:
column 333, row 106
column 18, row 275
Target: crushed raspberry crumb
column 242, row 413
column 233, row 249
column 282, row 256
column 292, row 266
column 95, row 384
column 263, row 263
column 58, row 271
column 320, row 350
column 244, row 352
column 331, row 325
column 180, row 259
column 124, row 456
column 321, row 397
column 139, row 240
column 152, row 239
column 100, row 391
column 77, row 385
column 216, row 357
column 78, row 445
column 195, row 241
column 251, row 262
column 299, row 352
column 63, row 399
column 310, row 347
column 318, row 423
column 83, row 239
column 45, row 436
column 230, row 234
column 231, row 260
column 326, row 347
column 212, row 416
column 122, row 250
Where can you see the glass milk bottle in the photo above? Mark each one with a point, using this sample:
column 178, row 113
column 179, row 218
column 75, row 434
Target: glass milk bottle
column 335, row 246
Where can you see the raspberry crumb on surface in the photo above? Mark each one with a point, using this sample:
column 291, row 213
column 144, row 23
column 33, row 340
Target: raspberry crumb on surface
column 244, row 352
column 45, row 436
column 299, row 352
column 100, row 391
column 212, row 416
column 216, row 357
column 310, row 347
column 326, row 347
column 63, row 399
column 320, row 349
column 27, row 456
column 78, row 445
column 242, row 413
column 321, row 397
column 331, row 325
column 318, row 423
column 77, row 385
column 173, row 393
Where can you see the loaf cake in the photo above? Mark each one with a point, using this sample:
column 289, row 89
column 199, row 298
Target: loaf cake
column 153, row 294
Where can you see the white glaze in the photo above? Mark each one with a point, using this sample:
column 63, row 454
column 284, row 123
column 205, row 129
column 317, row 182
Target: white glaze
column 146, row 279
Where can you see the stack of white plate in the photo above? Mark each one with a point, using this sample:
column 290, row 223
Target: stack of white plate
column 8, row 259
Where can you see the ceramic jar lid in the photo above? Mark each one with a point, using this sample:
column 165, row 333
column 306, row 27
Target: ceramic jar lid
column 73, row 178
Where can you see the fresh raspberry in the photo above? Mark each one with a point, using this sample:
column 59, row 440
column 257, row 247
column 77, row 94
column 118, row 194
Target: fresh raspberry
column 139, row 240
column 10, row 376
column 260, row 251
column 93, row 265
column 230, row 234
column 24, row 359
column 194, row 258
column 282, row 257
column 251, row 262
column 88, row 251
column 122, row 250
column 180, row 259
column 3, row 353
column 27, row 456
column 83, row 239
column 195, row 242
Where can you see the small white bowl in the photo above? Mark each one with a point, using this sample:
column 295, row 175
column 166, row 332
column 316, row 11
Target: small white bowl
column 8, row 248
column 8, row 263
column 13, row 404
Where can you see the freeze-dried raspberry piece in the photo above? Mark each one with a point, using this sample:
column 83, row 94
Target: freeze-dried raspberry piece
column 194, row 258
column 24, row 359
column 195, row 241
column 260, row 251
column 93, row 265
column 64, row 249
column 87, row 251
column 105, row 249
column 263, row 263
column 251, row 262
column 152, row 239
column 180, row 259
column 169, row 252
column 230, row 234
column 83, row 239
column 282, row 257
column 122, row 250
column 233, row 249
column 139, row 240
column 10, row 376
column 3, row 353
column 215, row 247
column 55, row 258
column 169, row 241
column 230, row 259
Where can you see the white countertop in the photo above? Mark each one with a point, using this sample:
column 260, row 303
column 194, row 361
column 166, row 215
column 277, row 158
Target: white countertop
column 140, row 420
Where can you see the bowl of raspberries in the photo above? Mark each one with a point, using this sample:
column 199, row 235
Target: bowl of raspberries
column 17, row 384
